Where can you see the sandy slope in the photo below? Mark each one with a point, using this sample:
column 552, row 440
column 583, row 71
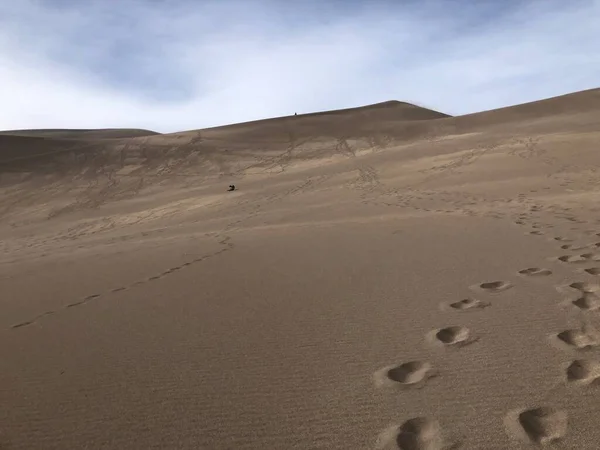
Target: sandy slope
column 384, row 277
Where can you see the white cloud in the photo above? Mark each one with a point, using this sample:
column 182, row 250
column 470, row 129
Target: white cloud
column 172, row 66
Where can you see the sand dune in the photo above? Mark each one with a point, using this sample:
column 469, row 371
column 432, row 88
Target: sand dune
column 384, row 277
column 107, row 133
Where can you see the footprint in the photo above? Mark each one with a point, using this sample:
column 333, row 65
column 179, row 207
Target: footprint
column 469, row 304
column 573, row 259
column 410, row 372
column 535, row 272
column 71, row 305
column 453, row 336
column 587, row 301
column 119, row 289
column 591, row 256
column 573, row 247
column 563, row 239
column 408, row 375
column 593, row 270
column 536, row 233
column 543, row 425
column 584, row 286
column 582, row 371
column 577, row 338
column 419, row 433
column 91, row 297
column 495, row 286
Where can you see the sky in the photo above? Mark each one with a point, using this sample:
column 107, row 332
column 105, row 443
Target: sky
column 172, row 65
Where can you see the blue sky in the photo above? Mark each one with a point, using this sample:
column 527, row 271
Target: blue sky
column 171, row 65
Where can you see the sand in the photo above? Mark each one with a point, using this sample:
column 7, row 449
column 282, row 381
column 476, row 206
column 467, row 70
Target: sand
column 383, row 277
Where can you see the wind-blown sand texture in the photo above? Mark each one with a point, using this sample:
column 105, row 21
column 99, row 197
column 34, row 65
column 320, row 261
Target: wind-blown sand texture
column 384, row 277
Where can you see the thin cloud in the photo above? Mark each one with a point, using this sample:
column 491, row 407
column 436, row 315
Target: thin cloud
column 171, row 66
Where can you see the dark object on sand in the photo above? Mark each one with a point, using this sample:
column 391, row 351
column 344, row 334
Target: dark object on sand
column 231, row 187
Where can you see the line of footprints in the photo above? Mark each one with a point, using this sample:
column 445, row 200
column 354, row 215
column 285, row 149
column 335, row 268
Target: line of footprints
column 539, row 425
column 224, row 242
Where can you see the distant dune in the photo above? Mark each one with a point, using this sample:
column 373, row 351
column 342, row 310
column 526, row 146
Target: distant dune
column 389, row 109
column 25, row 149
column 382, row 277
column 227, row 146
column 101, row 133
column 576, row 103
